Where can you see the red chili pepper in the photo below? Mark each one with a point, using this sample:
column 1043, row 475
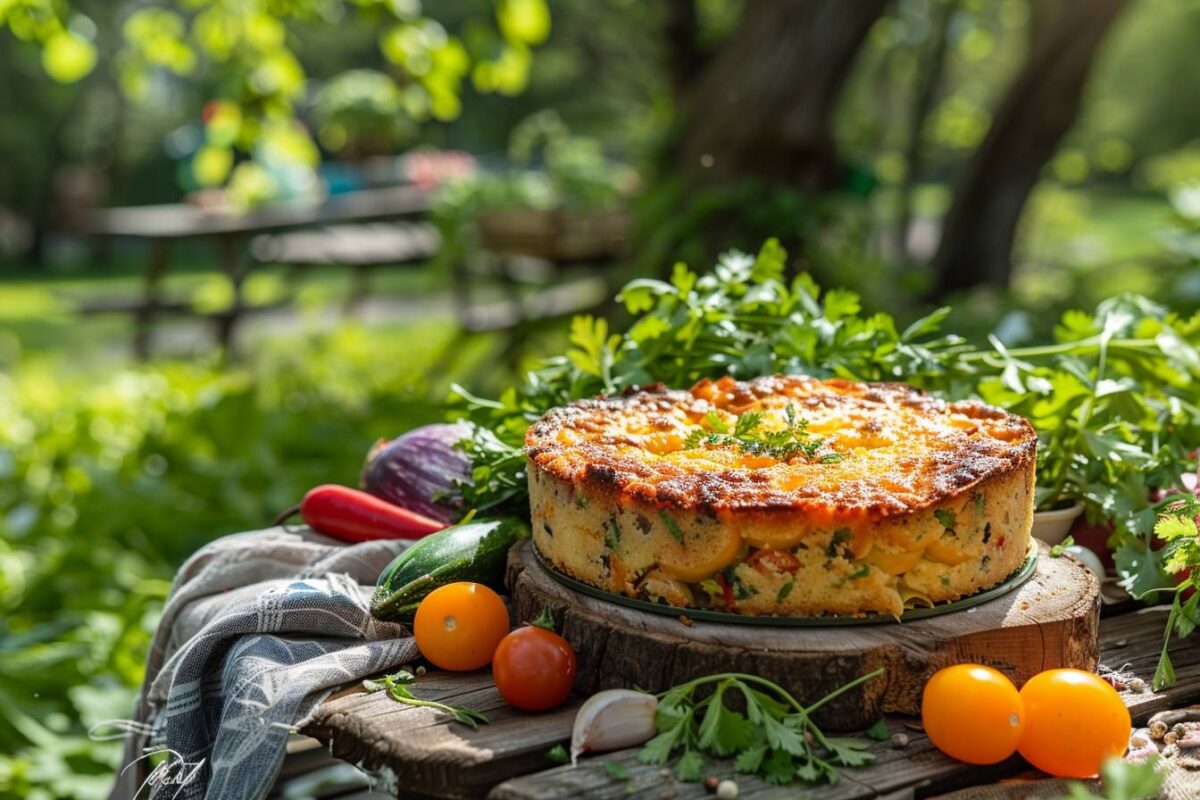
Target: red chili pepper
column 727, row 591
column 354, row 516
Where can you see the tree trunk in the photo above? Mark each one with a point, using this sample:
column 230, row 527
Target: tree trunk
column 932, row 66
column 1037, row 112
column 763, row 106
column 685, row 60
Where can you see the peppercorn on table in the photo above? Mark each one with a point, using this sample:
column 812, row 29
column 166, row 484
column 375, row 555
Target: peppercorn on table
column 429, row 756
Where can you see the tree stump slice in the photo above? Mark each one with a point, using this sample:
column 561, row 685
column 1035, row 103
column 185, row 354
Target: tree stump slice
column 1052, row 620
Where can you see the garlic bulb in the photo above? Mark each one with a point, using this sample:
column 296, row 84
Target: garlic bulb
column 612, row 720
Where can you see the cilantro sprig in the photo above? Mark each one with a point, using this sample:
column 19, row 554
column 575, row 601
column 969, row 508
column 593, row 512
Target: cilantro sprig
column 775, row 739
column 749, row 436
column 396, row 685
column 1178, row 528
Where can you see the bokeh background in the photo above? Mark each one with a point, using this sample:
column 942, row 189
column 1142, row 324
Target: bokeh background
column 1010, row 158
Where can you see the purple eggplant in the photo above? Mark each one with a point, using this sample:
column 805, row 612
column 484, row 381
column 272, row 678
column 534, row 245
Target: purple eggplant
column 420, row 471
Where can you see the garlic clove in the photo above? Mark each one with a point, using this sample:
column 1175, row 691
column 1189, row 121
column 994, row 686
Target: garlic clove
column 612, row 720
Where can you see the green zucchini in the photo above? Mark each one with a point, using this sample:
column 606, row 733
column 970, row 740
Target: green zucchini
column 472, row 551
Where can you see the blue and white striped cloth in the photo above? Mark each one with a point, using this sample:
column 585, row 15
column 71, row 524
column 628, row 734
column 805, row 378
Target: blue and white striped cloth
column 257, row 630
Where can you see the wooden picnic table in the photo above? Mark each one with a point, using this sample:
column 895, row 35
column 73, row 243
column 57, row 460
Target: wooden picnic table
column 164, row 225
column 430, row 756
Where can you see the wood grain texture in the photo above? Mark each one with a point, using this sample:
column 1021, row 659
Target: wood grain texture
column 893, row 769
column 1050, row 621
column 431, row 755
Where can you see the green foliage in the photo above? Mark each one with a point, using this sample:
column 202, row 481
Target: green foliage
column 1177, row 528
column 249, row 50
column 1122, row 780
column 396, row 685
column 1112, row 399
column 1114, row 404
column 555, row 171
column 776, row 737
column 363, row 112
column 109, row 481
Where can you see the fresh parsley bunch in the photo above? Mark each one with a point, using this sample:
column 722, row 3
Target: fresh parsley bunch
column 1114, row 401
column 775, row 739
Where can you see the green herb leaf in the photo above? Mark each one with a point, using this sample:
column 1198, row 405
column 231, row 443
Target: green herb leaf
column 612, row 536
column 1174, row 526
column 840, row 537
column 781, row 737
column 724, row 732
column 616, row 771
column 947, row 517
column 785, row 590
column 775, row 739
column 848, row 752
column 396, row 686
column 690, row 767
column 672, row 526
column 558, row 754
column 1057, row 550
column 779, row 768
column 749, row 436
column 658, row 750
column 750, row 759
column 879, row 731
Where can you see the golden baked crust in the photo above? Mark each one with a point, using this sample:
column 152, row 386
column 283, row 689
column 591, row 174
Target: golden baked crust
column 903, row 499
column 901, row 450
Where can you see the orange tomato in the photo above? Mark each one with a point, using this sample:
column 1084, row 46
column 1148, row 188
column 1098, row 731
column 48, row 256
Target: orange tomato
column 1074, row 720
column 972, row 713
column 459, row 625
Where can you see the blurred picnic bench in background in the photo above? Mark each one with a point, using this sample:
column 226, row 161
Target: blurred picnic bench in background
column 163, row 226
column 367, row 230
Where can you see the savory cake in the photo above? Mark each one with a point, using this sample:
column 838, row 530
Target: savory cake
column 789, row 496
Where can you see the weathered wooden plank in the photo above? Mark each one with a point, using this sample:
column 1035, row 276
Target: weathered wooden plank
column 1132, row 642
column 917, row 764
column 433, row 756
column 591, row 780
column 430, row 754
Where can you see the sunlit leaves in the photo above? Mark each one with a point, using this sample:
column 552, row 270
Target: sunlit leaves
column 526, row 21
column 155, row 37
column 68, row 57
column 250, row 185
column 211, row 165
column 366, row 106
column 249, row 46
column 438, row 62
column 592, row 349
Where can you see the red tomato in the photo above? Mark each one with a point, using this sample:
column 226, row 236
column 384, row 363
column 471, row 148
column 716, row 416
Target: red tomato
column 534, row 668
